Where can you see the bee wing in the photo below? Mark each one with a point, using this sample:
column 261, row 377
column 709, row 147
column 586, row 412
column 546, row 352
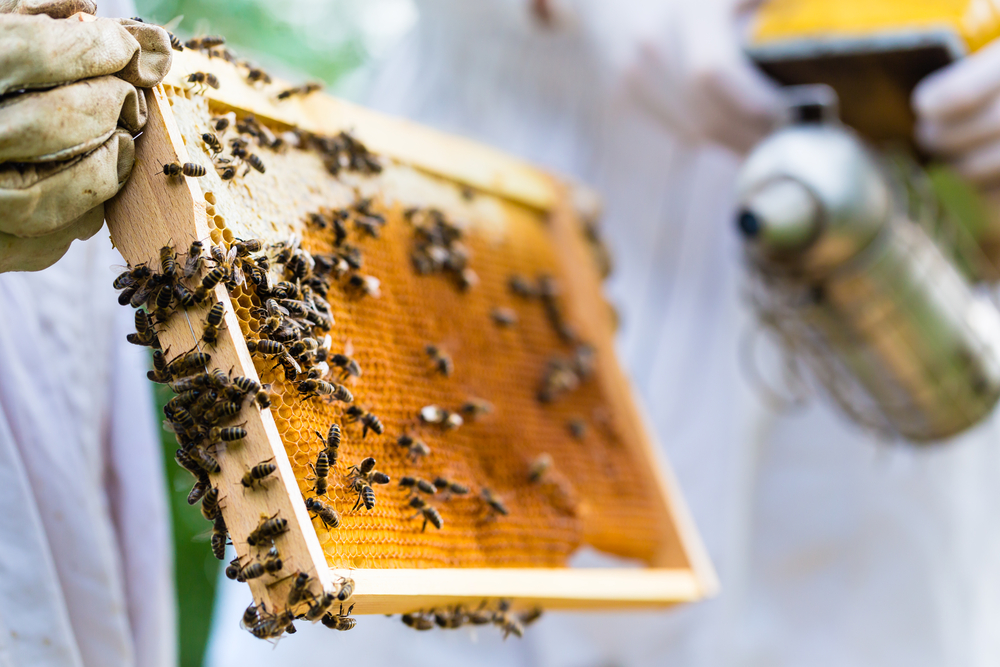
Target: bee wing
column 231, row 256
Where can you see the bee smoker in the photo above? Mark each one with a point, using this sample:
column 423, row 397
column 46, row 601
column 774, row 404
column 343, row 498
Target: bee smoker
column 859, row 291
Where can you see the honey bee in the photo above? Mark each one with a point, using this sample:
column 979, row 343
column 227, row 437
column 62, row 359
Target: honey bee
column 321, row 470
column 175, row 42
column 310, row 388
column 327, row 514
column 189, row 464
column 249, row 617
column 143, row 326
column 290, row 367
column 366, row 494
column 265, row 347
column 319, row 606
column 480, row 616
column 522, row 287
column 220, row 123
column 418, row 621
column 368, row 420
column 366, row 285
column 529, row 616
column 233, row 572
column 442, row 484
column 204, row 79
column 185, row 297
column 168, row 262
column 212, row 142
column 538, row 468
column 577, row 428
column 228, row 173
column 227, row 434
column 181, row 419
column 197, row 491
column 252, row 571
column 272, row 561
column 346, row 589
column 419, row 484
column 254, row 161
column 299, row 589
column 475, row 408
column 257, row 474
column 332, row 442
column 245, row 248
column 303, row 90
column 245, row 385
column 205, row 42
column 493, row 502
column 263, row 399
column 257, row 75
column 345, row 363
column 273, row 625
column 415, row 448
column 187, row 169
column 341, row 621
column 429, row 513
column 268, row 528
column 442, row 361
column 213, row 322
column 433, row 414
column 221, row 411
column 210, row 504
column 507, row 621
column 208, row 283
column 467, row 279
column 219, row 537
column 504, row 317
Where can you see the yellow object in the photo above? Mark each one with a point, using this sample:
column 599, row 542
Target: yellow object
column 975, row 22
column 871, row 52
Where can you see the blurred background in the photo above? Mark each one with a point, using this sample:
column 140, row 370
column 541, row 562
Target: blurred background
column 336, row 42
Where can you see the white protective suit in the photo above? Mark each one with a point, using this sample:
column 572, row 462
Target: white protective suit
column 832, row 548
column 85, row 553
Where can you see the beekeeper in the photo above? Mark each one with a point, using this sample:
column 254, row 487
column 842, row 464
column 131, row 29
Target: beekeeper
column 832, row 548
column 85, row 554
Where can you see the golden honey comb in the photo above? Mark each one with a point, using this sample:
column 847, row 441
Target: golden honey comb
column 591, row 495
column 605, row 487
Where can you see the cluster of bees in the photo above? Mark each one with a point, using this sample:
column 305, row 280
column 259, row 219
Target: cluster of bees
column 208, row 402
column 438, row 247
column 451, row 618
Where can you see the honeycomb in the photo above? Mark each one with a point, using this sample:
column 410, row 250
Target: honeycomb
column 593, row 493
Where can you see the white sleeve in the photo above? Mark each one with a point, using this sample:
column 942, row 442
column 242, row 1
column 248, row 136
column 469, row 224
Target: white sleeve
column 137, row 496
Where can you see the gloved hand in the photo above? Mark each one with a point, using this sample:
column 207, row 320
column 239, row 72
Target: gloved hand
column 693, row 75
column 958, row 115
column 69, row 107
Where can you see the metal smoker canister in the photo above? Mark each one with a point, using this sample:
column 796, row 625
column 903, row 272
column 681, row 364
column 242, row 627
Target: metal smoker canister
column 869, row 296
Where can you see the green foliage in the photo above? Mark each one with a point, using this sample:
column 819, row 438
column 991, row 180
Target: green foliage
column 318, row 40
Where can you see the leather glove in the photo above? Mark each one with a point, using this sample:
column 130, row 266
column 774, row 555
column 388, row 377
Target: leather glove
column 692, row 74
column 69, row 107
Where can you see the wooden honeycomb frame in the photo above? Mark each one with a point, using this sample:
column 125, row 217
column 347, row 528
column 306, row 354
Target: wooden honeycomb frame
column 146, row 215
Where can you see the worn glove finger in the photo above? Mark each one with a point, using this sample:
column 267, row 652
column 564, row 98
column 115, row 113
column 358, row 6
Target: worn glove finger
column 957, row 135
column 980, row 166
column 40, row 52
column 69, row 120
column 57, row 9
column 38, row 199
column 39, row 252
column 152, row 62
